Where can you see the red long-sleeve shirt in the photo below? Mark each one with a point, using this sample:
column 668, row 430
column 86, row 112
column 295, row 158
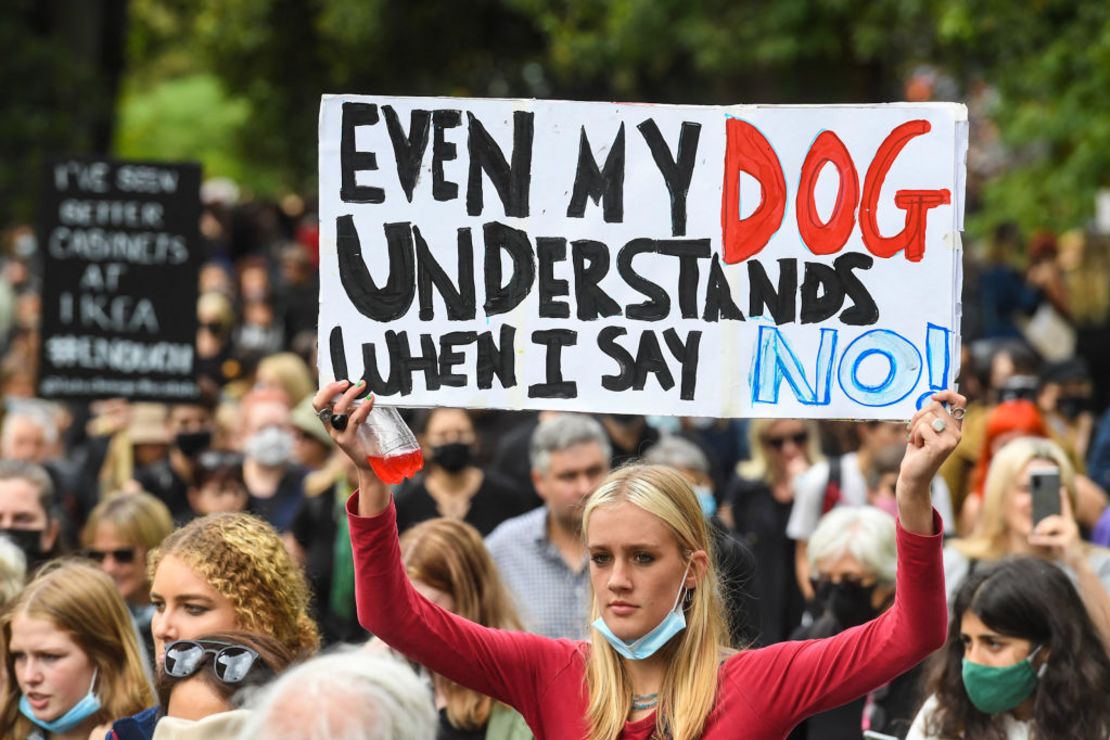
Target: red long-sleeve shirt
column 761, row 693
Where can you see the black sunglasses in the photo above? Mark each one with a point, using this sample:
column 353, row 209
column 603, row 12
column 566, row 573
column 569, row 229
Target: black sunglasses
column 212, row 327
column 231, row 664
column 798, row 439
column 123, row 555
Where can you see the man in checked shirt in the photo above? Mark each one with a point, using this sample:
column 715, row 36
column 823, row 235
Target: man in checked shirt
column 541, row 554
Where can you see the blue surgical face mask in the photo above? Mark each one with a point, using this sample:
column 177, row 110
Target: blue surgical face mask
column 78, row 713
column 649, row 644
column 666, row 424
column 707, row 500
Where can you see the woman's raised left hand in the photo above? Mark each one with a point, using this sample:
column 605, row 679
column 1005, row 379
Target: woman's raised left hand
column 933, row 434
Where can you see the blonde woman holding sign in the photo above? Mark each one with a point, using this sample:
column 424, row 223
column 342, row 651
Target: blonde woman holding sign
column 657, row 664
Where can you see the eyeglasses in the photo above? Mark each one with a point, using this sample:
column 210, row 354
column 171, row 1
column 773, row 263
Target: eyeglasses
column 231, row 663
column 123, row 555
column 778, row 443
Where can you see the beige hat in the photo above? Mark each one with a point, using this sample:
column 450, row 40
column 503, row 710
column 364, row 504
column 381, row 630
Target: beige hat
column 148, row 424
column 304, row 418
column 221, row 726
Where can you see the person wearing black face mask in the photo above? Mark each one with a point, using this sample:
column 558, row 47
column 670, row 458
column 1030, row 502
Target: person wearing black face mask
column 189, row 430
column 1065, row 398
column 452, row 484
column 852, row 557
column 27, row 511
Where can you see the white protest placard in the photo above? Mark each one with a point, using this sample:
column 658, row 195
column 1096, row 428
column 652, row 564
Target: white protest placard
column 737, row 261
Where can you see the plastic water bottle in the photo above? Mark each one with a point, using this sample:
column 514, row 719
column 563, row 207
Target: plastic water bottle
column 389, row 445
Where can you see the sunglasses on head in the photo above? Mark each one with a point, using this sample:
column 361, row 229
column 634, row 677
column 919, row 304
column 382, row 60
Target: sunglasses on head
column 798, row 439
column 230, row 662
column 123, row 555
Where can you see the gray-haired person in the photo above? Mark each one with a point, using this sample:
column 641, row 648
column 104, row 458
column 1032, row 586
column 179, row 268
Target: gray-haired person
column 540, row 554
column 29, row 515
column 346, row 695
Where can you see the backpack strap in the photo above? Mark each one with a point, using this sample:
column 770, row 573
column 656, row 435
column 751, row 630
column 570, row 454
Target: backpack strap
column 832, row 496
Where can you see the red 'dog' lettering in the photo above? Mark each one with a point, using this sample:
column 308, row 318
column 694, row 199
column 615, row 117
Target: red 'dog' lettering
column 916, row 203
column 748, row 150
column 827, row 238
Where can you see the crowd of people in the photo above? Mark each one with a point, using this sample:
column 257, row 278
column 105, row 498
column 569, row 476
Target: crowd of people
column 231, row 567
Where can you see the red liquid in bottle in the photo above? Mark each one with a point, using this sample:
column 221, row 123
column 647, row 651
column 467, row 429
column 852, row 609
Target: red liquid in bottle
column 396, row 468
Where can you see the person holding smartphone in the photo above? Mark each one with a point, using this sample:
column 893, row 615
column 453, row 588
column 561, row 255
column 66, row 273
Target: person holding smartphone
column 1028, row 509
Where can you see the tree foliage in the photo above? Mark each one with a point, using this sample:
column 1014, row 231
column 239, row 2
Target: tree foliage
column 1049, row 60
column 61, row 67
column 255, row 70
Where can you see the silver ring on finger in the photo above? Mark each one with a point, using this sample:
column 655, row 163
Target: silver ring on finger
column 324, row 415
column 939, row 425
column 958, row 412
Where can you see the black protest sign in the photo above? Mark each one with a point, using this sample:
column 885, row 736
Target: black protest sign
column 120, row 248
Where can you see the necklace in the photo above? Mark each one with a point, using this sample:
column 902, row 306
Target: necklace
column 644, row 701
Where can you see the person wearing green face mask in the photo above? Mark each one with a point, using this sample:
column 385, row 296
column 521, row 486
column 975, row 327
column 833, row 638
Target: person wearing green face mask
column 1023, row 660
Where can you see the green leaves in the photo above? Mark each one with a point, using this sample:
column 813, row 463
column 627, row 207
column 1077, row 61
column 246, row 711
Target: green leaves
column 237, row 82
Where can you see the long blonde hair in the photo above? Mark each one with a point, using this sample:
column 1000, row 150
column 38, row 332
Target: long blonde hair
column 758, row 467
column 990, row 538
column 449, row 556
column 690, row 684
column 80, row 600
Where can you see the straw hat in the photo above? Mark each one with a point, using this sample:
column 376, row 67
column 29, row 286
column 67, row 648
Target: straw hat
column 148, row 424
column 304, row 418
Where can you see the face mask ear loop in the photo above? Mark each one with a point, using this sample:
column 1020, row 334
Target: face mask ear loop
column 1044, row 665
column 682, row 590
column 92, row 684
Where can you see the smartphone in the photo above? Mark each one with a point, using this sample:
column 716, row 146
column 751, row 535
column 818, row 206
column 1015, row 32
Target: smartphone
column 1044, row 484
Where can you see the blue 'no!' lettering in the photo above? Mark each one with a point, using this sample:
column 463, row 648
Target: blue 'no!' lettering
column 776, row 361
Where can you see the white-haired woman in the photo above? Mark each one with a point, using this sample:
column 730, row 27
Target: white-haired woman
column 347, row 694
column 657, row 662
column 853, row 557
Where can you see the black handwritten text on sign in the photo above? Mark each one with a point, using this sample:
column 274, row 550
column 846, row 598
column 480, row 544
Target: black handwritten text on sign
column 120, row 248
column 696, row 260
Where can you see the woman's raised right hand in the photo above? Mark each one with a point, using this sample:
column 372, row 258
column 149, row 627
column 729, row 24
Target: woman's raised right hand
column 373, row 494
column 343, row 393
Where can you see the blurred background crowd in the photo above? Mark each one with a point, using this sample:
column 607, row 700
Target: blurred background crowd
column 130, row 488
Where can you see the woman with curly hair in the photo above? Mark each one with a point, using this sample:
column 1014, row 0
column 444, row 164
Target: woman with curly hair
column 226, row 572
column 1023, row 660
column 229, row 571
column 71, row 656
